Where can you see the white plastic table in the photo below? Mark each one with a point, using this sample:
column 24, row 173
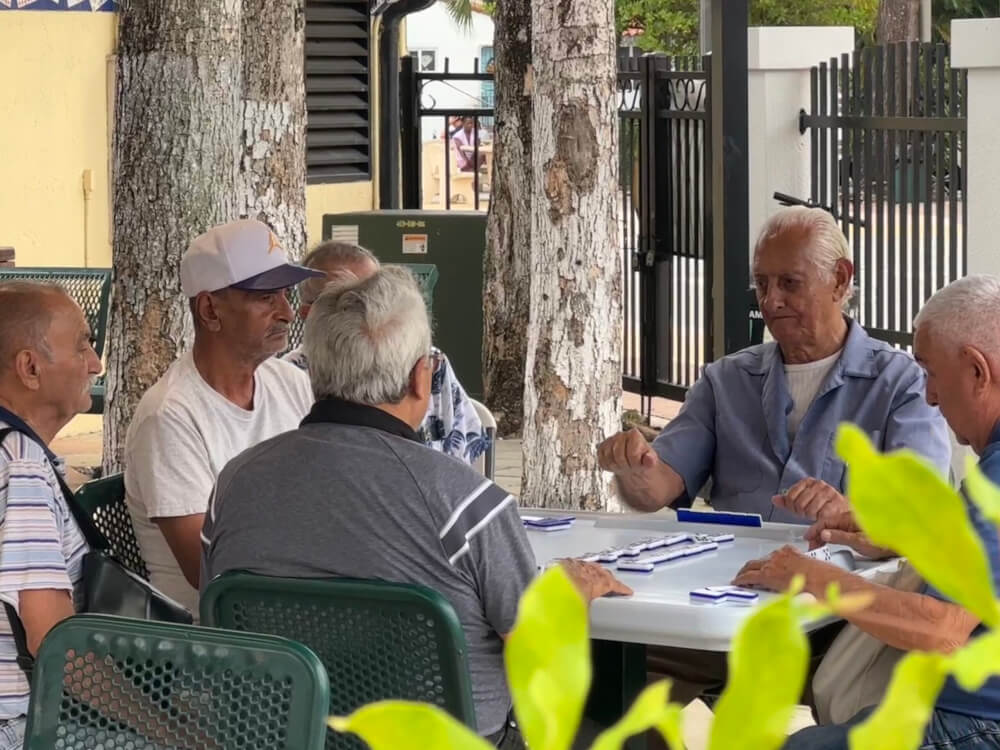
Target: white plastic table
column 661, row 611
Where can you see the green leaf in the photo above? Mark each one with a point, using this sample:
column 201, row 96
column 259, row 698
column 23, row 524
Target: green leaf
column 651, row 709
column 901, row 502
column 460, row 12
column 548, row 661
column 978, row 661
column 899, row 721
column 402, row 725
column 982, row 492
column 767, row 671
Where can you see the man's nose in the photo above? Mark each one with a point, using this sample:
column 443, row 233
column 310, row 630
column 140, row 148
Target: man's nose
column 94, row 366
column 284, row 307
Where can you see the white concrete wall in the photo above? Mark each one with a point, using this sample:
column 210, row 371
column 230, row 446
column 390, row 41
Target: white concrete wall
column 778, row 61
column 975, row 45
column 434, row 28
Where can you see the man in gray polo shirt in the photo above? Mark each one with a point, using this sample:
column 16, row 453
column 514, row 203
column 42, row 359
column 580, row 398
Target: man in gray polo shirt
column 354, row 492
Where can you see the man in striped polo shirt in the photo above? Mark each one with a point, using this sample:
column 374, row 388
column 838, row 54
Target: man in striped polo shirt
column 355, row 493
column 47, row 365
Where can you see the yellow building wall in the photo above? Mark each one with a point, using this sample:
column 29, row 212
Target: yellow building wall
column 55, row 103
column 334, row 198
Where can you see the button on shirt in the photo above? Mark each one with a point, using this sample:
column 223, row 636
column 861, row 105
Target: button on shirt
column 733, row 426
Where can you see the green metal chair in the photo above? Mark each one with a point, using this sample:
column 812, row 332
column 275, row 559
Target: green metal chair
column 378, row 640
column 120, row 684
column 426, row 273
column 104, row 500
column 91, row 288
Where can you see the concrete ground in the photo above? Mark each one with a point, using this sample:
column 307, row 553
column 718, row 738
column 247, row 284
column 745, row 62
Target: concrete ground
column 83, row 452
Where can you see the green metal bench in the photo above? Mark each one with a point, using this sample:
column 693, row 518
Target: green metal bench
column 426, row 273
column 378, row 640
column 120, row 684
column 91, row 288
column 104, row 500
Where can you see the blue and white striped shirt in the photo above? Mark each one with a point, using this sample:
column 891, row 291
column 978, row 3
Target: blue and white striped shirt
column 41, row 547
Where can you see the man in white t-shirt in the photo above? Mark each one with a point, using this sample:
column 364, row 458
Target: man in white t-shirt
column 228, row 393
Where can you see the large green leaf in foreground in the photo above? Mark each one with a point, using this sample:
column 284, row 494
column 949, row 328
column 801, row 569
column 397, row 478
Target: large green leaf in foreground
column 548, row 661
column 902, row 503
column 767, row 671
column 401, row 725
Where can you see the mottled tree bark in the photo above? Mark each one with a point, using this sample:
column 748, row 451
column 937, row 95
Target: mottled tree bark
column 508, row 245
column 573, row 389
column 273, row 146
column 177, row 125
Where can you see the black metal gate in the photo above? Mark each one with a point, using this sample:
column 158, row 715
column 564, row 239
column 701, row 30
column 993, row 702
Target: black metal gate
column 888, row 133
column 666, row 229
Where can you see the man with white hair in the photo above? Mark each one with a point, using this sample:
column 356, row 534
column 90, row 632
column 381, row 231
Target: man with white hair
column 451, row 424
column 957, row 342
column 367, row 499
column 760, row 423
column 228, row 393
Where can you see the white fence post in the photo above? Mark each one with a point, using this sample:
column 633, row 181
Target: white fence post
column 779, row 60
column 975, row 45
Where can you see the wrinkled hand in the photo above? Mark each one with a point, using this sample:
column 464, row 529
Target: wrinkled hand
column 627, row 453
column 776, row 571
column 843, row 529
column 593, row 580
column 812, row 498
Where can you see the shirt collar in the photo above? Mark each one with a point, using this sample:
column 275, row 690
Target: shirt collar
column 993, row 445
column 14, row 421
column 339, row 411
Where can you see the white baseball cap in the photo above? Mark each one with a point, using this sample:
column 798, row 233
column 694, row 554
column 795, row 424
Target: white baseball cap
column 243, row 254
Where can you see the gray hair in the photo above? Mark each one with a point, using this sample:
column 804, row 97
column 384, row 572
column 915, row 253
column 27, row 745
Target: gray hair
column 362, row 338
column 326, row 255
column 966, row 313
column 26, row 317
column 827, row 245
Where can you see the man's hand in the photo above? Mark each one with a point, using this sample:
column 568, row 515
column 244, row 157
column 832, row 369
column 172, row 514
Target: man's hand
column 776, row 571
column 812, row 498
column 843, row 529
column 593, row 580
column 644, row 481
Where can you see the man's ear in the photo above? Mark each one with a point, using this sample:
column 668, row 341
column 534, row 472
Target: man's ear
column 27, row 366
column 971, row 359
column 420, row 382
column 206, row 310
column 843, row 273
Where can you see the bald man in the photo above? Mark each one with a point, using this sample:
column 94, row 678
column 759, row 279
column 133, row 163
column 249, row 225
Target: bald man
column 47, row 368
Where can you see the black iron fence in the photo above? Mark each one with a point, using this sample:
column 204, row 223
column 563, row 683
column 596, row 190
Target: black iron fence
column 664, row 197
column 888, row 135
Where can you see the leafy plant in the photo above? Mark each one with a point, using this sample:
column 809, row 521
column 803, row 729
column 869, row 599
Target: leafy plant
column 548, row 653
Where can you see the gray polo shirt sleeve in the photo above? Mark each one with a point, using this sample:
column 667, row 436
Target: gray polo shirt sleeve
column 485, row 539
column 687, row 443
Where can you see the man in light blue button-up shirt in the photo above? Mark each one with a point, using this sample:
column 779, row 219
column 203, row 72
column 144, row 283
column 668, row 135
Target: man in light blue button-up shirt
column 760, row 423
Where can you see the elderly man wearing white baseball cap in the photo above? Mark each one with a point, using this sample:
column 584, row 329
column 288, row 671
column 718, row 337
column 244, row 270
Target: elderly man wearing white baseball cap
column 226, row 394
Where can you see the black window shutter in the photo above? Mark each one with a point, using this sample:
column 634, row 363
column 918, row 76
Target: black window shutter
column 338, row 136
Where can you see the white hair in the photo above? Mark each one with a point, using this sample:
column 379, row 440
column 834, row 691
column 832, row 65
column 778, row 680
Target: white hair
column 327, row 256
column 827, row 244
column 966, row 313
column 362, row 338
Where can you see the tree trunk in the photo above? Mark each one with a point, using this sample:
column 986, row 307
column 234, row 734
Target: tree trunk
column 273, row 147
column 898, row 21
column 573, row 389
column 177, row 127
column 508, row 249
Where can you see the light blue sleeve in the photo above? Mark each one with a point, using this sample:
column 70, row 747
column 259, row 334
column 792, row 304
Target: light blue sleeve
column 913, row 423
column 687, row 443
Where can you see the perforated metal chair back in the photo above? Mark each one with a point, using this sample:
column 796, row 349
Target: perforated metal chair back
column 90, row 287
column 104, row 501
column 378, row 640
column 120, row 684
column 426, row 273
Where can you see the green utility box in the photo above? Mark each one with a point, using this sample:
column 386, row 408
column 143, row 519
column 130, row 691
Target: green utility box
column 455, row 243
